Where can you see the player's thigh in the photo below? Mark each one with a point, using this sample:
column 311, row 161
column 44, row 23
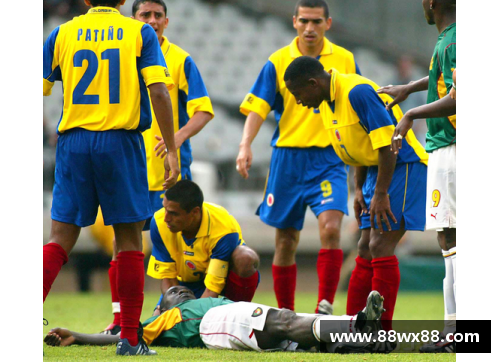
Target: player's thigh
column 441, row 189
column 283, row 205
column 75, row 199
column 406, row 194
column 120, row 176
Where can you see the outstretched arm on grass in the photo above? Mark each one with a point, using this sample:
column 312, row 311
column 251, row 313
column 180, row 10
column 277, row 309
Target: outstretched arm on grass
column 63, row 337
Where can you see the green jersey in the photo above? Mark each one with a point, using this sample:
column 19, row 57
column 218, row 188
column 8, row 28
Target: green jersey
column 180, row 325
column 442, row 131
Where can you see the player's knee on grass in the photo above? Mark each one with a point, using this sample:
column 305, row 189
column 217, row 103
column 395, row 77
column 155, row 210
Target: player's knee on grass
column 447, row 238
column 244, row 261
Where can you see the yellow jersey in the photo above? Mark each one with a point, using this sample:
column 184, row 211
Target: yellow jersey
column 105, row 61
column 358, row 123
column 297, row 126
column 189, row 95
column 204, row 258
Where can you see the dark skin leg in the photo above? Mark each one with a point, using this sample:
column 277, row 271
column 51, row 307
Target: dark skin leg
column 244, row 261
column 128, row 236
column 284, row 324
column 329, row 228
column 372, row 244
column 64, row 234
column 447, row 238
column 287, row 241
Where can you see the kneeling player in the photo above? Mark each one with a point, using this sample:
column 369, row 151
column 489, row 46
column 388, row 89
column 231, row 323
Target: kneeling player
column 218, row 323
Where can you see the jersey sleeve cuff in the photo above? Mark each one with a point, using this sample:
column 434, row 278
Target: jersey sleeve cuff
column 161, row 270
column 255, row 104
column 47, row 87
column 381, row 137
column 202, row 104
column 215, row 284
column 157, row 74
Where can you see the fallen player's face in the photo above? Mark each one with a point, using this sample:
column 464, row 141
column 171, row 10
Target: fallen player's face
column 175, row 295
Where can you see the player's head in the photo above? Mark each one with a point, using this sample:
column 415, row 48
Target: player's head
column 108, row 3
column 175, row 295
column 311, row 20
column 183, row 205
column 152, row 12
column 434, row 8
column 304, row 78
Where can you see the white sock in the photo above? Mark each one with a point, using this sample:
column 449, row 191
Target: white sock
column 449, row 292
column 116, row 307
column 345, row 325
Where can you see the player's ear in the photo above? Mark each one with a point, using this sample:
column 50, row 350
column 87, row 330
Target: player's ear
column 328, row 23
column 294, row 22
column 87, row 2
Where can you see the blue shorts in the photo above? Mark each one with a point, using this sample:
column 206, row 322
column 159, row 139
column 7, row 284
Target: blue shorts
column 156, row 197
column 299, row 177
column 106, row 168
column 407, row 193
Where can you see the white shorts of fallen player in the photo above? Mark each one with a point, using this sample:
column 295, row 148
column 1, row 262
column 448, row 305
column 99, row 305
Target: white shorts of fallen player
column 442, row 189
column 232, row 326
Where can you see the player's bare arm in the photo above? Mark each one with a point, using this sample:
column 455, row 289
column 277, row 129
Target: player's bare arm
column 63, row 337
column 192, row 128
column 244, row 159
column 444, row 107
column 162, row 107
column 401, row 92
column 359, row 201
column 380, row 206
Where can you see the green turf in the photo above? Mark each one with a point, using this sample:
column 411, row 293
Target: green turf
column 90, row 313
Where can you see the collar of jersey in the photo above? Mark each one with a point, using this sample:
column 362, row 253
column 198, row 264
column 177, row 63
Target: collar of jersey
column 447, row 29
column 333, row 86
column 165, row 46
column 295, row 52
column 205, row 223
column 103, row 10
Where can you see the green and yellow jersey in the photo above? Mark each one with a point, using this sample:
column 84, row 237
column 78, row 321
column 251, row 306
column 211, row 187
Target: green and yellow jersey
column 442, row 131
column 105, row 60
column 201, row 260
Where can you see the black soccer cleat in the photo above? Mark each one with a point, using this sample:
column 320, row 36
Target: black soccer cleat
column 112, row 329
column 442, row 346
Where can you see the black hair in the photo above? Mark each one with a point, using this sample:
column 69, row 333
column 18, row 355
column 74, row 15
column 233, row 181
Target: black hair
column 187, row 194
column 312, row 4
column 110, row 3
column 137, row 3
column 302, row 69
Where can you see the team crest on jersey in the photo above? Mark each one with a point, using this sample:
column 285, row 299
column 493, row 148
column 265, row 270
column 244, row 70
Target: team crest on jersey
column 257, row 312
column 337, row 134
column 270, row 200
column 250, row 99
column 190, row 265
column 190, row 253
column 167, row 74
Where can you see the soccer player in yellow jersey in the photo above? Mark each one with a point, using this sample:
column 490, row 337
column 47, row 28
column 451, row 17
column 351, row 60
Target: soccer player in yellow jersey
column 199, row 245
column 360, row 130
column 304, row 169
column 106, row 63
column 192, row 110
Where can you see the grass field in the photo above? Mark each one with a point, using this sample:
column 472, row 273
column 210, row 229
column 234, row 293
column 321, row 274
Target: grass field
column 90, row 313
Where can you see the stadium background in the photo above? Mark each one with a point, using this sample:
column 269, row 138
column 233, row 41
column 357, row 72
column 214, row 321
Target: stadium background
column 230, row 41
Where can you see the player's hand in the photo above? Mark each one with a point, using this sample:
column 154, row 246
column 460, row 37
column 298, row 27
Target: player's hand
column 59, row 337
column 404, row 125
column 359, row 206
column 160, row 146
column 399, row 93
column 380, row 210
column 172, row 170
column 157, row 311
column 244, row 161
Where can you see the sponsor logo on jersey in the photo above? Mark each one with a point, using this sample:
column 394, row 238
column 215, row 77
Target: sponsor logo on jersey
column 190, row 265
column 257, row 312
column 190, row 253
column 335, row 121
column 270, row 200
column 326, row 201
column 337, row 134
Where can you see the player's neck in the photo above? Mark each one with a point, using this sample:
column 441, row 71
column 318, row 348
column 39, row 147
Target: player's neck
column 311, row 51
column 444, row 21
column 192, row 231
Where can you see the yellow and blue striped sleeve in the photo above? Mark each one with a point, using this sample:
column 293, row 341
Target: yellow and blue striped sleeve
column 151, row 62
column 51, row 69
column 218, row 266
column 262, row 96
column 161, row 265
column 191, row 83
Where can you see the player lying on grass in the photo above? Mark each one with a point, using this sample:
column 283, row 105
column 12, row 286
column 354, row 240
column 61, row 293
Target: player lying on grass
column 218, row 323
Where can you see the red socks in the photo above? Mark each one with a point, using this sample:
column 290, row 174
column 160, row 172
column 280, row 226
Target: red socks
column 130, row 282
column 328, row 268
column 113, row 285
column 285, row 280
column 386, row 280
column 240, row 289
column 54, row 257
column 360, row 285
